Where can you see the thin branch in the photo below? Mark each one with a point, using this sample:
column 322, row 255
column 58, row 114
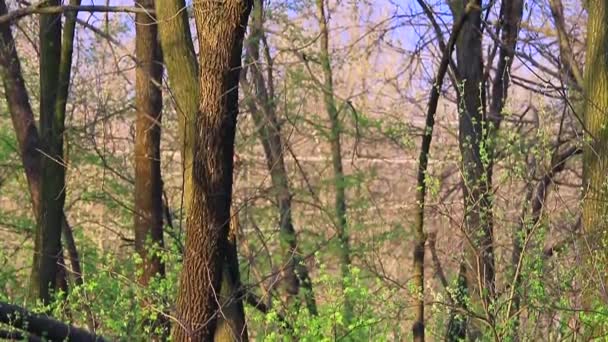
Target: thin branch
column 39, row 8
column 89, row 26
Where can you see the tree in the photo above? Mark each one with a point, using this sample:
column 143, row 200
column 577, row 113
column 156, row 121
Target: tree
column 261, row 102
column 55, row 74
column 52, row 195
column 23, row 120
column 182, row 68
column 595, row 155
column 418, row 326
column 148, row 183
column 478, row 265
column 336, row 154
column 220, row 27
column 478, row 129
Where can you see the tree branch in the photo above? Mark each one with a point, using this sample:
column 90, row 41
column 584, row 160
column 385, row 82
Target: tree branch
column 574, row 73
column 43, row 326
column 39, row 8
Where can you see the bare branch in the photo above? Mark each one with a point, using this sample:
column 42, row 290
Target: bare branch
column 41, row 9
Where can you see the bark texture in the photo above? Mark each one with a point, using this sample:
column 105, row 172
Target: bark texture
column 182, row 67
column 221, row 27
column 231, row 325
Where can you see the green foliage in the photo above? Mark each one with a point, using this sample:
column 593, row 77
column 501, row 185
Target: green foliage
column 373, row 305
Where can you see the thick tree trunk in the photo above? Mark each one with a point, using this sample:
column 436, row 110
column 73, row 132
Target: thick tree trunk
column 595, row 161
column 221, row 27
column 52, row 195
column 148, row 182
column 477, row 175
column 263, row 110
column 182, row 67
column 336, row 156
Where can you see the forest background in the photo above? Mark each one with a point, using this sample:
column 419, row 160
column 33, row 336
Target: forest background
column 342, row 230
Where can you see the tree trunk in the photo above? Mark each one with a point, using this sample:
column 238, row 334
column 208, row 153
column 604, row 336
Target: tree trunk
column 21, row 112
column 336, row 157
column 52, row 195
column 423, row 161
column 26, row 132
column 595, row 160
column 477, row 274
column 220, row 26
column 148, row 182
column 233, row 327
column 182, row 68
column 263, row 110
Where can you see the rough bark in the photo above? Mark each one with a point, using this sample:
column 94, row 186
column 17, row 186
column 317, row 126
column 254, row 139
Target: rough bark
column 423, row 160
column 595, row 160
column 220, row 27
column 43, row 326
column 182, row 68
column 148, row 182
column 263, row 111
column 336, row 155
column 47, row 245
